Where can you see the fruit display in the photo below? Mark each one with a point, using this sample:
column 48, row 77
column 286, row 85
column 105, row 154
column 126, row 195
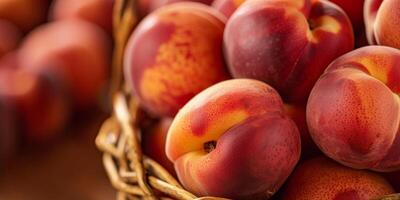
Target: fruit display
column 211, row 99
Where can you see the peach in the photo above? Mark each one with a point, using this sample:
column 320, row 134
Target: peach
column 39, row 103
column 321, row 178
column 234, row 140
column 147, row 6
column 74, row 51
column 286, row 43
column 10, row 37
column 382, row 21
column 353, row 112
column 173, row 54
column 26, row 14
column 153, row 142
column 298, row 115
column 227, row 7
column 96, row 11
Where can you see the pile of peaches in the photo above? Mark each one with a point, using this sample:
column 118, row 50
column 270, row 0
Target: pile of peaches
column 279, row 99
column 54, row 63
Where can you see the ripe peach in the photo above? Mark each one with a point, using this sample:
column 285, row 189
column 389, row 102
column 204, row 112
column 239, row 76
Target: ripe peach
column 234, row 140
column 173, row 54
column 227, row 7
column 321, row 178
column 286, row 43
column 96, row 11
column 26, row 14
column 354, row 9
column 10, row 37
column 147, row 6
column 353, row 112
column 39, row 103
column 382, row 21
column 153, row 142
column 298, row 115
column 75, row 51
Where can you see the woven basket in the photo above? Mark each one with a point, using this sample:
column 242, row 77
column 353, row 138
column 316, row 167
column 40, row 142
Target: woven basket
column 131, row 173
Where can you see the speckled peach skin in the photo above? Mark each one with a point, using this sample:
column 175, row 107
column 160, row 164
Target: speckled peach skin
column 353, row 111
column 96, row 11
column 321, row 178
column 76, row 52
column 257, row 145
column 382, row 20
column 291, row 43
column 175, row 53
column 10, row 36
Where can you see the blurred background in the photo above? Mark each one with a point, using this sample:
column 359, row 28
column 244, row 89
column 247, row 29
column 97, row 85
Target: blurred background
column 55, row 63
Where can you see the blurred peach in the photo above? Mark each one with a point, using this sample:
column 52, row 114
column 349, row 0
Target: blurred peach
column 40, row 103
column 74, row 51
column 26, row 14
column 96, row 11
column 10, row 37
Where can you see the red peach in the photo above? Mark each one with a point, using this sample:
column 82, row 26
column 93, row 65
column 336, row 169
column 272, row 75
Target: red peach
column 96, row 11
column 382, row 20
column 74, row 51
column 147, row 6
column 353, row 112
column 286, row 43
column 26, row 14
column 40, row 104
column 173, row 54
column 321, row 178
column 234, row 140
column 153, row 142
column 10, row 37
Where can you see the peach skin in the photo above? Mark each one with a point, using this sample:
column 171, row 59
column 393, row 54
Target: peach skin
column 74, row 51
column 353, row 112
column 291, row 43
column 382, row 21
column 227, row 7
column 96, row 11
column 10, row 36
column 234, row 140
column 26, row 14
column 173, row 54
column 153, row 143
column 147, row 6
column 321, row 178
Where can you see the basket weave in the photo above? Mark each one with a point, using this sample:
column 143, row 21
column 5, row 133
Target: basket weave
column 131, row 173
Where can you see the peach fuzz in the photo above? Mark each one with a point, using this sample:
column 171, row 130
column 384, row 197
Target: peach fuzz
column 153, row 143
column 234, row 140
column 382, row 20
column 321, row 178
column 173, row 54
column 10, row 36
column 96, row 11
column 74, row 51
column 353, row 112
column 291, row 43
column 26, row 14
